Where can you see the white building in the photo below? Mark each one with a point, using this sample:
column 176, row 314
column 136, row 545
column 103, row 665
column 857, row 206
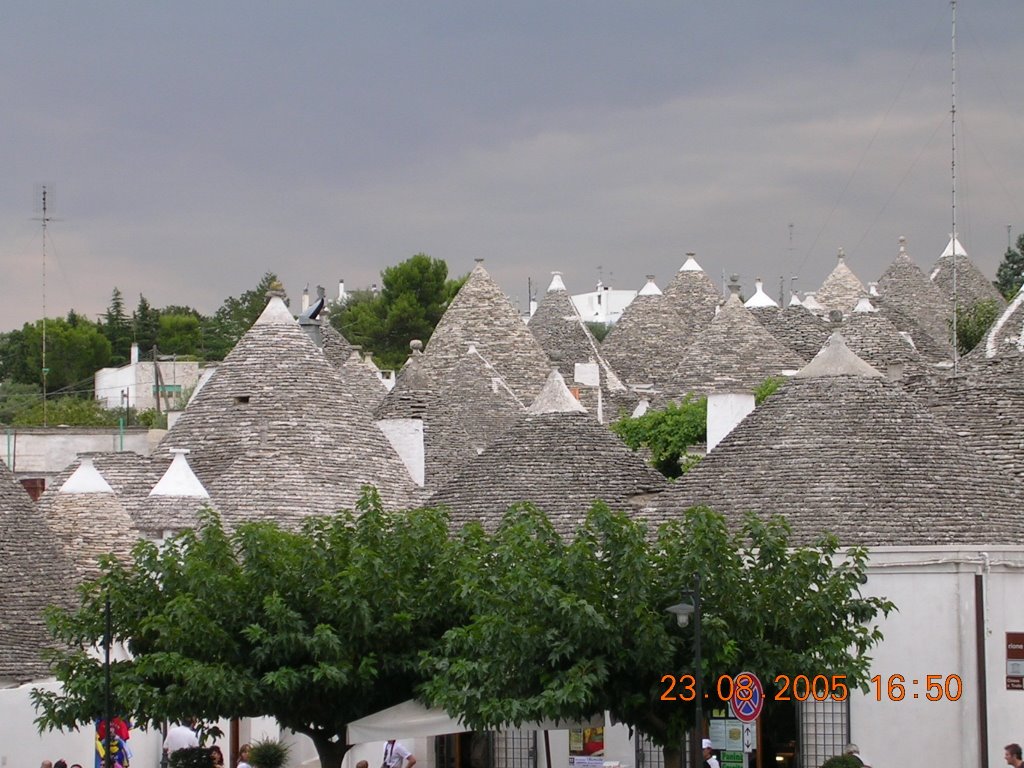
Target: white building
column 603, row 305
column 135, row 385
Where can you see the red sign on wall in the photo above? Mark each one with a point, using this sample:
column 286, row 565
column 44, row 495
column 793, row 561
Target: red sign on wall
column 1015, row 661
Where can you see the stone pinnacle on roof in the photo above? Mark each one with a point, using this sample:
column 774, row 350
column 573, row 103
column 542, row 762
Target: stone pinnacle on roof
column 836, row 359
column 555, row 397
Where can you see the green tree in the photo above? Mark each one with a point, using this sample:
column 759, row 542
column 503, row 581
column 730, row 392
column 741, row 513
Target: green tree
column 972, row 325
column 74, row 352
column 234, row 317
column 564, row 629
column 599, row 330
column 146, row 325
column 1010, row 274
column 118, row 330
column 262, row 621
column 667, row 433
column 179, row 334
column 414, row 295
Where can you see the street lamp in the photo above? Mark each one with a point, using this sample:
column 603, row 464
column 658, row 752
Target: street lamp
column 683, row 611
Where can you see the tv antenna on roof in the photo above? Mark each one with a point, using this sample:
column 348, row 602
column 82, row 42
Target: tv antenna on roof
column 44, row 197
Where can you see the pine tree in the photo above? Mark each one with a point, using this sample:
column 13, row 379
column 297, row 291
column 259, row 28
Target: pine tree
column 117, row 329
column 1010, row 275
column 146, row 324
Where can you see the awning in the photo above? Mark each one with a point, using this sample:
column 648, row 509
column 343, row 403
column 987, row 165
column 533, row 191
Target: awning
column 410, row 720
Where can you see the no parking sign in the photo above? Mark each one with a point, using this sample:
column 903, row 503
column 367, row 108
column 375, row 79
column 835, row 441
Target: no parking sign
column 747, row 698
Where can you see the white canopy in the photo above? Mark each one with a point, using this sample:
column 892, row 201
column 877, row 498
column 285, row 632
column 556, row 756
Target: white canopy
column 410, row 720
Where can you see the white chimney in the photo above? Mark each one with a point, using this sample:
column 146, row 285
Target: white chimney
column 305, row 298
column 341, row 291
column 725, row 411
column 134, row 355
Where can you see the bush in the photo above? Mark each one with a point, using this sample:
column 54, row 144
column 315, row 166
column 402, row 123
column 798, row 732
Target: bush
column 269, row 753
column 191, row 757
column 842, row 761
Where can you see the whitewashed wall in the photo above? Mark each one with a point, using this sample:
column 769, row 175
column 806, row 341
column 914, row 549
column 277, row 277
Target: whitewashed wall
column 933, row 633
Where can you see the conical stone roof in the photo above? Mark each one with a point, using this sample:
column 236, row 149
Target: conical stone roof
column 274, row 399
column 693, row 295
column 858, row 457
column 85, row 515
column 481, row 313
column 34, row 574
column 362, row 380
column 337, row 349
column 877, row 341
column 471, row 408
column 561, row 332
column 984, row 408
column 734, row 351
column 647, row 341
column 796, row 327
column 972, row 284
column 842, row 289
column 906, row 288
column 556, row 457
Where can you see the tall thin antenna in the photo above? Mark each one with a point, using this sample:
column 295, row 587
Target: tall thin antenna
column 45, row 218
column 956, row 294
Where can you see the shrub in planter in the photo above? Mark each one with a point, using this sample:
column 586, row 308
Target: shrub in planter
column 270, row 753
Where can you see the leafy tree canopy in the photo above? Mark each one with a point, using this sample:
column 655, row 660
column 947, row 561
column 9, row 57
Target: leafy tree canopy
column 179, row 334
column 75, row 349
column 1010, row 274
column 69, row 411
column 414, row 295
column 564, row 629
column 973, row 324
column 263, row 622
column 667, row 432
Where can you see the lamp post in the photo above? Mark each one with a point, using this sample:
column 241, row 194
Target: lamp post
column 683, row 611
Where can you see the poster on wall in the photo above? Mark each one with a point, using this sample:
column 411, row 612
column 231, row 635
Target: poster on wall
column 586, row 747
column 1015, row 661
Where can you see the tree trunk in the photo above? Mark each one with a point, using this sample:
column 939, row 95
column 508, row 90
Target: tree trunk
column 329, row 752
column 673, row 757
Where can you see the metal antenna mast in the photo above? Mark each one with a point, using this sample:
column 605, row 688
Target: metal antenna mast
column 45, row 219
column 956, row 294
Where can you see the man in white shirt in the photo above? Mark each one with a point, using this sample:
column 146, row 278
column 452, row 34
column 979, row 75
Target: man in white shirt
column 709, row 757
column 397, row 756
column 179, row 737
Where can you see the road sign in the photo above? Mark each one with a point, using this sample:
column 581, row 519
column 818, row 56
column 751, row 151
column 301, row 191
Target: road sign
column 747, row 697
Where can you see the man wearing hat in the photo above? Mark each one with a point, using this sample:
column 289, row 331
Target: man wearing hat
column 709, row 758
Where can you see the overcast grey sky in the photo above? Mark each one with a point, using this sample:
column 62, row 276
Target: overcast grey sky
column 194, row 146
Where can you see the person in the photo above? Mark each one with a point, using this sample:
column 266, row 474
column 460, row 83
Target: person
column 46, row 764
column 397, row 756
column 216, row 756
column 362, row 764
column 854, row 751
column 243, row 756
column 709, row 757
column 60, row 764
column 181, row 736
column 1011, row 753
